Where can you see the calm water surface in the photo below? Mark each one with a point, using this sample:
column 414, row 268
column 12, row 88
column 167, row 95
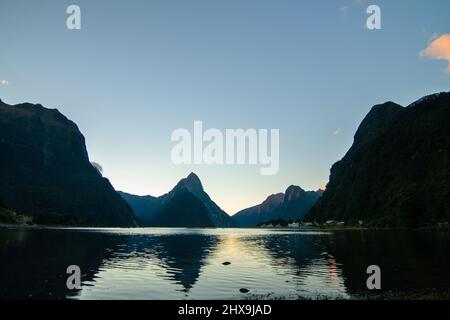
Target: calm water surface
column 156, row 263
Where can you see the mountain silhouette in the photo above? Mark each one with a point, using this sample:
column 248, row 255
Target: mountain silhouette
column 144, row 207
column 45, row 171
column 291, row 205
column 186, row 205
column 397, row 172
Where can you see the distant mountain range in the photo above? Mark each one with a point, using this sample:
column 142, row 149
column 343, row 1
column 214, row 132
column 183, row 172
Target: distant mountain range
column 186, row 205
column 291, row 205
column 397, row 172
column 45, row 171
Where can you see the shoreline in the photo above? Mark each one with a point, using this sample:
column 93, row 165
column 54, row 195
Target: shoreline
column 9, row 226
column 388, row 295
column 21, row 226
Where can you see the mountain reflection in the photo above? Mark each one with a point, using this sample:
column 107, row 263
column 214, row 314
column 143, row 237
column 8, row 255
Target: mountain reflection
column 182, row 256
column 34, row 262
column 304, row 257
column 189, row 263
column 409, row 260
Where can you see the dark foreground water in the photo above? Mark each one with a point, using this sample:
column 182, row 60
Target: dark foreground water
column 188, row 263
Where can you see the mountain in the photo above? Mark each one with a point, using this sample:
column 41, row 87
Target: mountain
column 186, row 205
column 397, row 172
column 184, row 209
column 45, row 171
column 291, row 205
column 144, row 207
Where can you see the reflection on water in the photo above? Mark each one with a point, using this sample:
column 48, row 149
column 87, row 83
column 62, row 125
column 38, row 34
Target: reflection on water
column 188, row 263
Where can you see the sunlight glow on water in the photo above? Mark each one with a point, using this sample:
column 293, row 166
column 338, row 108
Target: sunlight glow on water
column 170, row 272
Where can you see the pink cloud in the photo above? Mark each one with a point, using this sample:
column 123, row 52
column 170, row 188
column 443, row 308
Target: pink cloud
column 439, row 49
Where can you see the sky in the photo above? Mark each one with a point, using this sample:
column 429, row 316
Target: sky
column 138, row 70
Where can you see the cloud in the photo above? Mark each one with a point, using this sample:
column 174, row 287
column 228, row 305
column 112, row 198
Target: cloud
column 98, row 167
column 4, row 82
column 439, row 48
column 337, row 131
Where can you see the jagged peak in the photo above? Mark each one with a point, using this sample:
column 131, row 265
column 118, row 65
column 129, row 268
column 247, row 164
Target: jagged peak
column 293, row 192
column 192, row 175
column 192, row 182
column 294, row 188
column 275, row 198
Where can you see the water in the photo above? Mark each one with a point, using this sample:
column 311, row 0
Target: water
column 188, row 263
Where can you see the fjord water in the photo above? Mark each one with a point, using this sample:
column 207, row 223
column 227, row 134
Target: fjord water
column 154, row 263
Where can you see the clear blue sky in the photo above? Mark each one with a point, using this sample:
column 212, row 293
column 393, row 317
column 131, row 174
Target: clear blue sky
column 137, row 70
